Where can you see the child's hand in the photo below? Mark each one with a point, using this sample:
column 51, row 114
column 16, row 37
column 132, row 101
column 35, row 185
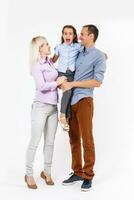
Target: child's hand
column 61, row 79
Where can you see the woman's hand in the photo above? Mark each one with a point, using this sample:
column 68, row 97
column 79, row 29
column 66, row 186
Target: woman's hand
column 61, row 80
column 66, row 86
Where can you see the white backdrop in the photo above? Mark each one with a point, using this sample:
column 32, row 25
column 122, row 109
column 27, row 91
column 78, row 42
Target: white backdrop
column 114, row 110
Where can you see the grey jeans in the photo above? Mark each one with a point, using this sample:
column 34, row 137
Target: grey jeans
column 44, row 120
column 67, row 95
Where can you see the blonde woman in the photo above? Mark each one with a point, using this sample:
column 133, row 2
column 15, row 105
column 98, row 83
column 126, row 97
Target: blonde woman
column 44, row 115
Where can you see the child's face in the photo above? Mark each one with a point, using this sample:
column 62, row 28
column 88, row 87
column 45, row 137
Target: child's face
column 45, row 49
column 68, row 35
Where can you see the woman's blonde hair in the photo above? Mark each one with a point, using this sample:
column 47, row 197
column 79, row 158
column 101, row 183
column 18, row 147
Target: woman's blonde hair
column 34, row 53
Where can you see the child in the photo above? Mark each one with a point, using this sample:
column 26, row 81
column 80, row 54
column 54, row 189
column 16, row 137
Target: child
column 67, row 53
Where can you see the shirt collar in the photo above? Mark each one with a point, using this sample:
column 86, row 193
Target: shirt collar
column 88, row 50
column 72, row 44
column 44, row 60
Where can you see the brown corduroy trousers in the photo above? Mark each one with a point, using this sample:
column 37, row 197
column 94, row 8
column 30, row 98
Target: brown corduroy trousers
column 80, row 135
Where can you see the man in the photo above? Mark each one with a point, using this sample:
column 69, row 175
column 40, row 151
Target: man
column 90, row 68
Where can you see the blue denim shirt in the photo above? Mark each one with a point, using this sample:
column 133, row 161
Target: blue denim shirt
column 90, row 64
column 67, row 55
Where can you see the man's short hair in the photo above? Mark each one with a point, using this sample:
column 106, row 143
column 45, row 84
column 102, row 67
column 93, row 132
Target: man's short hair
column 92, row 29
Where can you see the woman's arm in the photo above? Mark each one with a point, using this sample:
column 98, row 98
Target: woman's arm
column 41, row 83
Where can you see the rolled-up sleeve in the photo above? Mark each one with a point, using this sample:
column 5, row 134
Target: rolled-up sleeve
column 41, row 83
column 100, row 68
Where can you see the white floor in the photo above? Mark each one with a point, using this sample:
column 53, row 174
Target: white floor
column 111, row 181
column 116, row 187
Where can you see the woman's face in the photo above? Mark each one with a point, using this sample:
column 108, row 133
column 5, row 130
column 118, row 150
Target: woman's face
column 45, row 49
column 68, row 35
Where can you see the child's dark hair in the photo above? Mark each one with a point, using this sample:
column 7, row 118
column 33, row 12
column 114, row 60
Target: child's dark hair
column 75, row 40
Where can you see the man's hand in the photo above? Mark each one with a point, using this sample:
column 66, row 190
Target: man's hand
column 106, row 56
column 66, row 86
column 80, row 84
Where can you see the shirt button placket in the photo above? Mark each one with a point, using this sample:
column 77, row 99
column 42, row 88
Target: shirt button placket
column 68, row 59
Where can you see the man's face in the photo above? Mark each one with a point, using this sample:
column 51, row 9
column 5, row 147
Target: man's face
column 85, row 37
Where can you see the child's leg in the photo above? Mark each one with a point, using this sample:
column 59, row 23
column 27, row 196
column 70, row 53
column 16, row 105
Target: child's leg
column 63, row 111
column 68, row 113
column 65, row 101
column 66, row 98
column 70, row 78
